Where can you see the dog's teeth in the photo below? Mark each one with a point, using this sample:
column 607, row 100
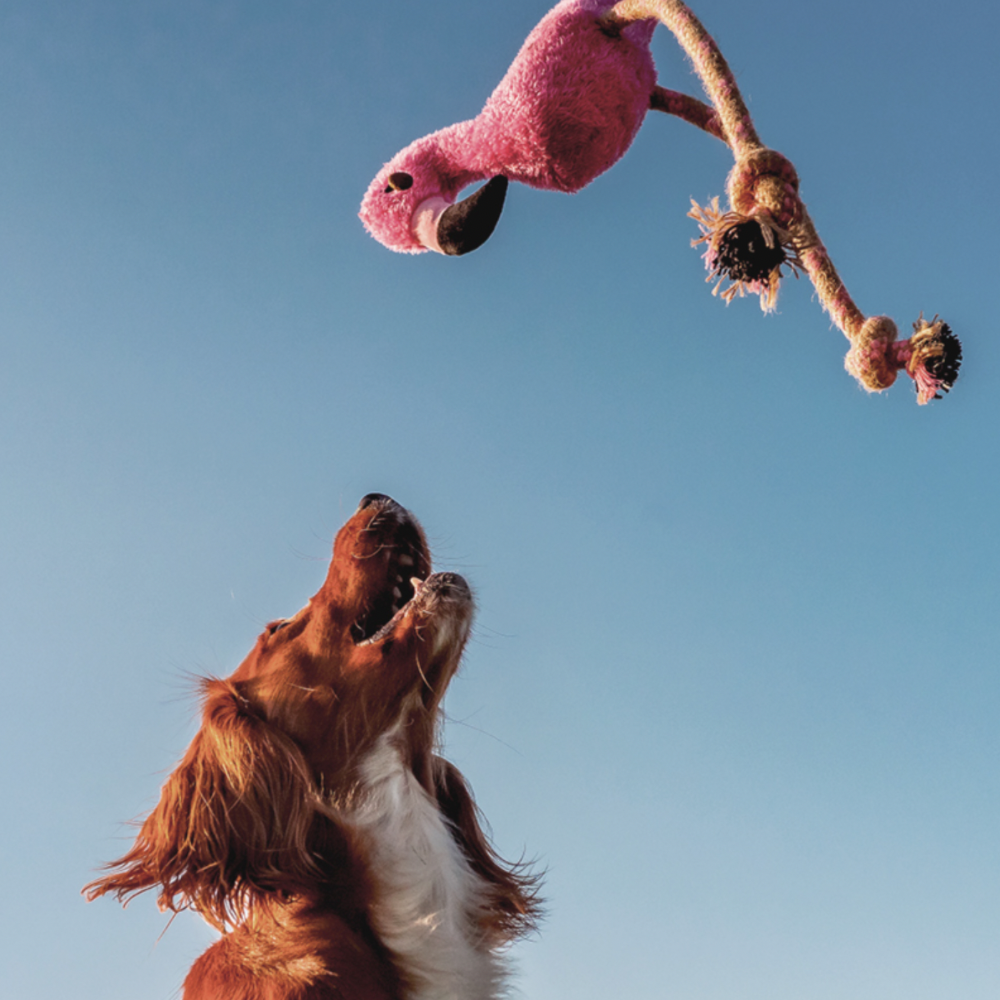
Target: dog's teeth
column 405, row 560
column 397, row 593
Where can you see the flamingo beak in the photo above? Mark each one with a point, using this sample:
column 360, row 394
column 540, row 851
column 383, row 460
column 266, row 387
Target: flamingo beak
column 455, row 229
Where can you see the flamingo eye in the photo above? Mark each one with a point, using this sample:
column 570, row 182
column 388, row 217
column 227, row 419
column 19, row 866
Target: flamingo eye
column 399, row 181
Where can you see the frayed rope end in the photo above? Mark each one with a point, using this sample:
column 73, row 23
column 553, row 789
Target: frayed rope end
column 749, row 251
column 935, row 357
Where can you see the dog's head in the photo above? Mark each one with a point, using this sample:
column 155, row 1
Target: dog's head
column 250, row 813
column 378, row 644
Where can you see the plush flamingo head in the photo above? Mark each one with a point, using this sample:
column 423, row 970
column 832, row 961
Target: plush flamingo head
column 411, row 205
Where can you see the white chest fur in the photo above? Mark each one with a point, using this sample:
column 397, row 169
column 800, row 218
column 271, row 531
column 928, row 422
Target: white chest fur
column 426, row 893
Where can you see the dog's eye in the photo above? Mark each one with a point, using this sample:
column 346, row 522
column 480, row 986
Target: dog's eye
column 399, row 181
column 273, row 627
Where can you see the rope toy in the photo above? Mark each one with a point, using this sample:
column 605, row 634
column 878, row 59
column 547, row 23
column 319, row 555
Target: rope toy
column 568, row 109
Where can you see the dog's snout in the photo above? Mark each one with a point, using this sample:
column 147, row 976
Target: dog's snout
column 376, row 499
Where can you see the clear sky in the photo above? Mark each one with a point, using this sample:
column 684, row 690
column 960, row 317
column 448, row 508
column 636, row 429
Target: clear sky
column 734, row 680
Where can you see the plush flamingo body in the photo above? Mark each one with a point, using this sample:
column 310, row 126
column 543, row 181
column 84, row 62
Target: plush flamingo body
column 566, row 110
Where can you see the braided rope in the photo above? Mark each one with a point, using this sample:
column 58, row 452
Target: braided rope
column 768, row 226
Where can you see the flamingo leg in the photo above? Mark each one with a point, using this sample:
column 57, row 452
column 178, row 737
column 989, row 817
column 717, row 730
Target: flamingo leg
column 689, row 109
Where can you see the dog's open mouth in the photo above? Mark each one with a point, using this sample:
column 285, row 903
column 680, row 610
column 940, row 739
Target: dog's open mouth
column 396, row 562
column 386, row 609
column 431, row 596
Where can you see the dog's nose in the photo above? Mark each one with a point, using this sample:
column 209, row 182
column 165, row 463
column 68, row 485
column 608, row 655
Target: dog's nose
column 370, row 499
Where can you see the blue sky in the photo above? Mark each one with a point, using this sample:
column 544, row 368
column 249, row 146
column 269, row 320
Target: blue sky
column 734, row 678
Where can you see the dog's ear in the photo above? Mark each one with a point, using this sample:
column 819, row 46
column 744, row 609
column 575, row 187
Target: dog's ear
column 233, row 821
column 514, row 887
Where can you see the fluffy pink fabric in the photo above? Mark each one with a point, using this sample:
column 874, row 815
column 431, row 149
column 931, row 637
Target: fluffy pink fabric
column 566, row 110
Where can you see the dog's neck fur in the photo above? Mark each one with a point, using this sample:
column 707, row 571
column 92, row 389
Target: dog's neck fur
column 427, row 898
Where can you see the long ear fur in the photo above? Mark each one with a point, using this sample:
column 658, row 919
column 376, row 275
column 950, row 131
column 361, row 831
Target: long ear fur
column 514, row 887
column 233, row 821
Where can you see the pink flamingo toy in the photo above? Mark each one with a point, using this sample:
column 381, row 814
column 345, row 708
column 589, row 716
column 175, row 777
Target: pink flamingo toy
column 568, row 109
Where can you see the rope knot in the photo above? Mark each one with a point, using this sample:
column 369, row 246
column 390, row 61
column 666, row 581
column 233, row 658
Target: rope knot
column 765, row 181
column 871, row 359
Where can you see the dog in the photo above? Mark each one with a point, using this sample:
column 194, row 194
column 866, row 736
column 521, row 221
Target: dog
column 312, row 820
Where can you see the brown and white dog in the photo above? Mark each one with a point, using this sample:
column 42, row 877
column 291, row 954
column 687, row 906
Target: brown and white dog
column 311, row 820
